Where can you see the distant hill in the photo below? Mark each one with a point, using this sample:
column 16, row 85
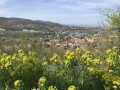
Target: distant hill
column 18, row 24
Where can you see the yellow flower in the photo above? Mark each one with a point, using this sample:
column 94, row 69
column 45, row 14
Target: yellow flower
column 55, row 58
column 42, row 79
column 45, row 63
column 115, row 82
column 44, row 58
column 13, row 73
column 8, row 64
column 88, row 60
column 8, row 58
column 94, row 71
column 20, row 51
column 111, row 71
column 62, row 72
column 82, row 74
column 78, row 51
column 19, row 66
column 42, row 84
column 110, row 61
column 33, row 89
column 108, row 51
column 87, row 52
column 96, row 61
column 114, row 48
column 4, row 54
column 72, row 54
column 97, row 51
column 3, row 60
column 52, row 88
column 72, row 87
column 115, row 87
column 107, row 77
column 18, row 83
column 67, row 52
column 67, row 63
column 25, row 59
column 84, row 56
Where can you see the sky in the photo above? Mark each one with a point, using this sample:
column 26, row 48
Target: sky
column 74, row 12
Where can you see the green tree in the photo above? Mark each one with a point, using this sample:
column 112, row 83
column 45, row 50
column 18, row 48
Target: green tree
column 112, row 17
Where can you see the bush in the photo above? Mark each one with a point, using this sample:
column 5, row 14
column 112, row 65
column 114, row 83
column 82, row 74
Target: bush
column 76, row 72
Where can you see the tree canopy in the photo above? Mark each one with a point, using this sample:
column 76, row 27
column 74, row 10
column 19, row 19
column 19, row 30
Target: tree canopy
column 112, row 17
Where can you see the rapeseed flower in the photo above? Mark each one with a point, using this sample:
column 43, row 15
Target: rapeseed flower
column 19, row 66
column 114, row 48
column 78, row 51
column 94, row 71
column 52, row 88
column 8, row 64
column 44, row 58
column 18, row 83
column 35, row 89
column 115, row 87
column 96, row 61
column 108, row 51
column 110, row 62
column 13, row 73
column 42, row 81
column 45, row 63
column 107, row 77
column 84, row 56
column 82, row 74
column 62, row 72
column 67, row 63
column 97, row 51
column 111, row 71
column 72, row 87
column 87, row 52
column 67, row 52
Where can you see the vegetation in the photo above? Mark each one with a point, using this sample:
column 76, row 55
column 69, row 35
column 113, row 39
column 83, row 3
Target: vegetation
column 103, row 41
column 112, row 17
column 27, row 64
column 11, row 46
column 19, row 24
column 75, row 72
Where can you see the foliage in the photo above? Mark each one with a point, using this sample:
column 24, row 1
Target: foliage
column 76, row 72
column 11, row 46
column 112, row 17
column 103, row 41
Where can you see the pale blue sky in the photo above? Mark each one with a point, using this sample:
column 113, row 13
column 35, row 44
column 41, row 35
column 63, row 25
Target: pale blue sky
column 60, row 11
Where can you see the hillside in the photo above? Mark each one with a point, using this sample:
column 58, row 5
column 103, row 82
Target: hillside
column 18, row 24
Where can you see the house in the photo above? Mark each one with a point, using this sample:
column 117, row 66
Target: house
column 1, row 29
column 25, row 30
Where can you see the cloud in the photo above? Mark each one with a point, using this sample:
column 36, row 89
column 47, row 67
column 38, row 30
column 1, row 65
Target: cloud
column 44, row 17
column 3, row 2
column 92, row 4
column 114, row 1
column 65, row 0
column 3, row 12
column 95, row 4
column 76, row 8
column 83, row 5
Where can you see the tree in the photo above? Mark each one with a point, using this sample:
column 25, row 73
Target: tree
column 112, row 17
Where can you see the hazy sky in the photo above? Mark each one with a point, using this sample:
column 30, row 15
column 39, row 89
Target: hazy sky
column 60, row 11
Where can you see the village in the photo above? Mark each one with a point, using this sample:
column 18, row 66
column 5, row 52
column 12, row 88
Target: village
column 74, row 41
